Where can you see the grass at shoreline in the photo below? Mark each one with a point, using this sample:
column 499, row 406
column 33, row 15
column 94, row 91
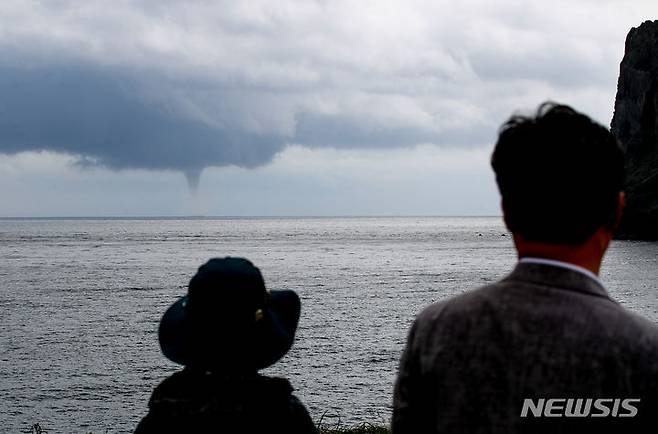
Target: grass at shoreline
column 364, row 428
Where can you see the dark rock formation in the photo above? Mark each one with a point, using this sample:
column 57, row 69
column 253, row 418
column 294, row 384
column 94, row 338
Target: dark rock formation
column 635, row 124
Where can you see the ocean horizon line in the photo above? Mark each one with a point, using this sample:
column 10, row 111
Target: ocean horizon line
column 244, row 217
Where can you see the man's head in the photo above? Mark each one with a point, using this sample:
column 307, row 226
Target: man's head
column 560, row 175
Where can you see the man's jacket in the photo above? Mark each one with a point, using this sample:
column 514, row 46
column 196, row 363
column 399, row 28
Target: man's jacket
column 543, row 333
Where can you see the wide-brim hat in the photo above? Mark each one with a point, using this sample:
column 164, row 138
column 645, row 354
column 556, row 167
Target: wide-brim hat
column 228, row 320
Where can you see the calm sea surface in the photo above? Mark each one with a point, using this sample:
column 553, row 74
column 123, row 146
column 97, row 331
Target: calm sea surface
column 80, row 302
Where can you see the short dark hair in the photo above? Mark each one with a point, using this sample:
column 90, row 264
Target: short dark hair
column 559, row 174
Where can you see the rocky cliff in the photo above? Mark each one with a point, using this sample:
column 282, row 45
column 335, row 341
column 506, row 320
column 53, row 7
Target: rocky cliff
column 635, row 123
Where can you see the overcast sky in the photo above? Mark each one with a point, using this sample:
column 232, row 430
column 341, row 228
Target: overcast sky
column 285, row 107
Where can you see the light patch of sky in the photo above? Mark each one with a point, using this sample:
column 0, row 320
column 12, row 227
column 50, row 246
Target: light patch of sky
column 425, row 180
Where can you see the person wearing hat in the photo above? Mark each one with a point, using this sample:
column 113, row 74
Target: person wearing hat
column 224, row 331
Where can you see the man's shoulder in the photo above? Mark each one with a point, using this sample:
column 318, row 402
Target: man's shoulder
column 638, row 328
column 462, row 304
column 511, row 301
column 451, row 319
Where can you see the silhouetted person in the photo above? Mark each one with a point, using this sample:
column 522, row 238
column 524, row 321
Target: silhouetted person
column 548, row 333
column 223, row 331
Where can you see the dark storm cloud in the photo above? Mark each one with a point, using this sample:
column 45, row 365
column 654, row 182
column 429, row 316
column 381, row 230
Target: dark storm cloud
column 101, row 117
column 107, row 118
column 187, row 85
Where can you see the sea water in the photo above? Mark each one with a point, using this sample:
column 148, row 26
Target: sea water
column 81, row 299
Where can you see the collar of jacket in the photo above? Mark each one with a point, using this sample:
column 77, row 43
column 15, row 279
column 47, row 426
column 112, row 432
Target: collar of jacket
column 558, row 278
